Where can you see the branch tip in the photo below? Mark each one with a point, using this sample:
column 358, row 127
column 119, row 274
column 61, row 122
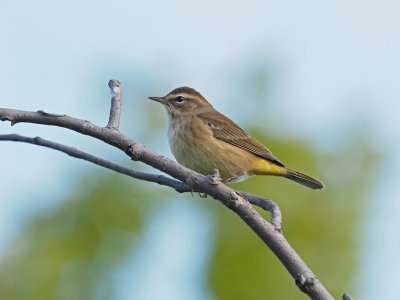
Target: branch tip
column 114, row 83
column 346, row 297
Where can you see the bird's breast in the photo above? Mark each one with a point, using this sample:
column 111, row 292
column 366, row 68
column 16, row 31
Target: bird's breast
column 194, row 146
column 188, row 142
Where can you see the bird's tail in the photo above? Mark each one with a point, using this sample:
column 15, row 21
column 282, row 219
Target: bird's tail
column 304, row 179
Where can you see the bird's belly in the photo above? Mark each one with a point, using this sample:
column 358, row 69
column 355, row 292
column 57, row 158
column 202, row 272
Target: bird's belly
column 204, row 153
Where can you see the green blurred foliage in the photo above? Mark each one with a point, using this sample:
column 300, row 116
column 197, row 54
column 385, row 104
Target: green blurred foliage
column 321, row 226
column 68, row 253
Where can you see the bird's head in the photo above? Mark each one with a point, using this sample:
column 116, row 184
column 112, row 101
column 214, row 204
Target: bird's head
column 183, row 100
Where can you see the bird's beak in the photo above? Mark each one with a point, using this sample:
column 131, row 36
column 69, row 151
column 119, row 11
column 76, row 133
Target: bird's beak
column 159, row 99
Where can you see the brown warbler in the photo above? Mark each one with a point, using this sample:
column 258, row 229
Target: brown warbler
column 203, row 139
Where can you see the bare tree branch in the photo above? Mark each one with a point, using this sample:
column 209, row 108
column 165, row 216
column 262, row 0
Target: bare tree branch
column 236, row 201
column 179, row 186
column 269, row 205
column 74, row 152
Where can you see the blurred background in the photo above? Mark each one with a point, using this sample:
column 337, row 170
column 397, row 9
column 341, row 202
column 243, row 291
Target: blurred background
column 317, row 82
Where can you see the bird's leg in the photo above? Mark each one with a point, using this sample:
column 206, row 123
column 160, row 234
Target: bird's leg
column 237, row 178
column 230, row 179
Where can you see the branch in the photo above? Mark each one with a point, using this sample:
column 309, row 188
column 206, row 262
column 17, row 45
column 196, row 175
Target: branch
column 179, row 186
column 269, row 205
column 115, row 111
column 272, row 237
column 74, row 152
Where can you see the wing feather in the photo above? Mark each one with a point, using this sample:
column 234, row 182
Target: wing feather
column 226, row 130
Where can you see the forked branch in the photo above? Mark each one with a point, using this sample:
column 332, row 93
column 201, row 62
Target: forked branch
column 185, row 180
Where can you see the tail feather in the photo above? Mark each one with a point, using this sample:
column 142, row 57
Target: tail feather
column 304, row 179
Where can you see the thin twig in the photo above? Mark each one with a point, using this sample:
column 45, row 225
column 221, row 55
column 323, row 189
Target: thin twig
column 177, row 185
column 115, row 111
column 268, row 205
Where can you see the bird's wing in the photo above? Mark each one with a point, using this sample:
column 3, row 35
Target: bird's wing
column 226, row 130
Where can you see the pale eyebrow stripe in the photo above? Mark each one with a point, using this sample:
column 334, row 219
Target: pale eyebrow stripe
column 181, row 94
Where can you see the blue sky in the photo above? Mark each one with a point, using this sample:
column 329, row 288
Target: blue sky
column 338, row 68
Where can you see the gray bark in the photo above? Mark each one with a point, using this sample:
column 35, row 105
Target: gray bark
column 185, row 180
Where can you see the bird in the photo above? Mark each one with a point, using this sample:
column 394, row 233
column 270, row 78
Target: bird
column 203, row 139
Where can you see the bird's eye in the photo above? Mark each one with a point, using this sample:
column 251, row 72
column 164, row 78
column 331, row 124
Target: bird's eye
column 180, row 99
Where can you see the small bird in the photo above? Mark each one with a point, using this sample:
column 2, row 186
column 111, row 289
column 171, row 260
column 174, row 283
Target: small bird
column 202, row 139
